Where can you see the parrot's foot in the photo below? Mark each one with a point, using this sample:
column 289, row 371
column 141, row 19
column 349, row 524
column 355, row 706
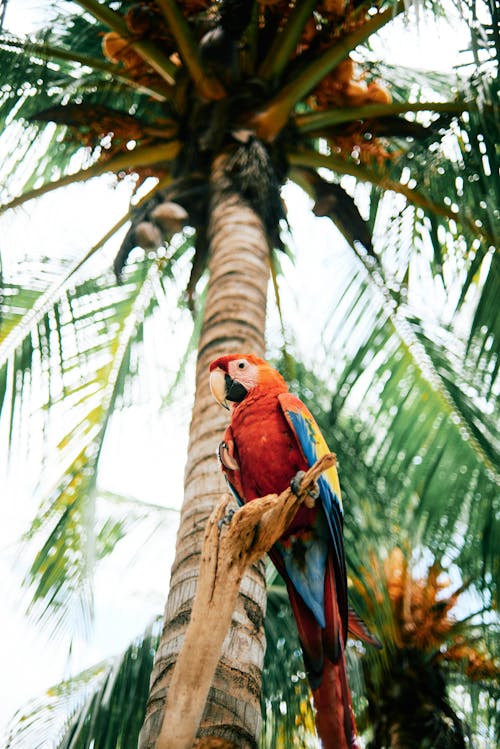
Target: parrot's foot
column 312, row 494
column 296, row 482
column 226, row 520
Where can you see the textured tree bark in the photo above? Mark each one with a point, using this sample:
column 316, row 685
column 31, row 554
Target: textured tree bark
column 234, row 320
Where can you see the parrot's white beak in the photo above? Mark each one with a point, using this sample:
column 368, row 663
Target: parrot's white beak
column 218, row 387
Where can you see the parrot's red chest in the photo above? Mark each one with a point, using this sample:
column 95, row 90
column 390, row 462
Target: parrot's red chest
column 266, row 448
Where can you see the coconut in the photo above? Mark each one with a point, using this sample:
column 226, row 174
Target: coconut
column 148, row 236
column 172, row 217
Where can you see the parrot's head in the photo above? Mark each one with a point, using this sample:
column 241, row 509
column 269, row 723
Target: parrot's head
column 232, row 377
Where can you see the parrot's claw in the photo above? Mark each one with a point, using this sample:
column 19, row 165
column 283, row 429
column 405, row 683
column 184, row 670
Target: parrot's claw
column 226, row 520
column 314, row 491
column 296, row 482
column 312, row 494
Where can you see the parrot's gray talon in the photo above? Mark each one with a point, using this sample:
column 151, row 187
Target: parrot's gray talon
column 314, row 491
column 312, row 494
column 226, row 520
column 296, row 482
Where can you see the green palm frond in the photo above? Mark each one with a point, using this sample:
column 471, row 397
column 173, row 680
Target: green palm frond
column 397, row 363
column 420, row 421
column 443, row 170
column 411, row 476
column 50, row 53
column 409, row 83
column 44, row 718
column 91, row 379
column 101, row 707
column 432, row 206
column 120, row 162
column 482, row 17
column 446, row 486
column 78, row 341
column 153, row 54
column 73, row 76
column 32, row 291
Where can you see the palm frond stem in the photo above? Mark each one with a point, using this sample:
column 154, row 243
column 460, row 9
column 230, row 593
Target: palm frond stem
column 46, row 300
column 139, row 157
column 249, row 52
column 149, row 52
column 286, row 40
column 311, row 121
column 208, row 86
column 341, row 166
column 271, row 119
column 51, row 52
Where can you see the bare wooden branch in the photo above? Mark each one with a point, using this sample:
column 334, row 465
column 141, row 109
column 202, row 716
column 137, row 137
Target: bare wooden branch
column 228, row 548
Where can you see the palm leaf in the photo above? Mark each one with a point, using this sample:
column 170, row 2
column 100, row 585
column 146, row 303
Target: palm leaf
column 93, row 377
column 429, row 447
column 447, row 178
column 149, row 51
column 80, row 344
column 67, row 79
column 50, row 53
column 273, row 116
column 26, row 304
column 410, row 476
column 101, row 707
column 78, row 340
column 139, row 157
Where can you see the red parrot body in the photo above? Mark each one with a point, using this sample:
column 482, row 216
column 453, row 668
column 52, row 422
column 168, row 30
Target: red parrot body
column 271, row 437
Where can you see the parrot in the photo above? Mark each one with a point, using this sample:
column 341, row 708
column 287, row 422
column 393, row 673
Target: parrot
column 271, row 440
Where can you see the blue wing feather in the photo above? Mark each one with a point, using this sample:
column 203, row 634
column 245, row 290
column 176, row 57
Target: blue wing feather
column 313, row 446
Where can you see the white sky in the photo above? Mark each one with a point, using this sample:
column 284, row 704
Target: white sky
column 124, row 603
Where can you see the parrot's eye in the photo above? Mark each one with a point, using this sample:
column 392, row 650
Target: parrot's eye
column 242, row 364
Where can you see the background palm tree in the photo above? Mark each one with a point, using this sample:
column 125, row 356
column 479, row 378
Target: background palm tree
column 278, row 89
column 424, row 645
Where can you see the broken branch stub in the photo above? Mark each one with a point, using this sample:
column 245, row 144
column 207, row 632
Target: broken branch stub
column 226, row 552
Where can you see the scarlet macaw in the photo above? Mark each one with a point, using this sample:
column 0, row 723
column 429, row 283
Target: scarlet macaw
column 272, row 436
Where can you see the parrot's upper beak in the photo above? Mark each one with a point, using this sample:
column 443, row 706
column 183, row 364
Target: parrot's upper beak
column 225, row 389
column 218, row 386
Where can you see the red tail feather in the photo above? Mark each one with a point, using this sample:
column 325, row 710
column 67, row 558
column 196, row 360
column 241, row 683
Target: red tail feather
column 334, row 714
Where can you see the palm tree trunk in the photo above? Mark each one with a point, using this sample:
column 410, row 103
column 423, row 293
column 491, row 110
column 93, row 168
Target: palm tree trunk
column 234, row 320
